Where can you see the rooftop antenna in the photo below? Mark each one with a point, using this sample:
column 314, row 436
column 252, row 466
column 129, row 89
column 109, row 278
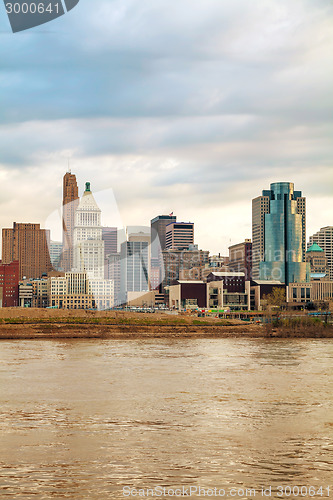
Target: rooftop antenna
column 68, row 169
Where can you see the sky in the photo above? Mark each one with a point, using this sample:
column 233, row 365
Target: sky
column 191, row 107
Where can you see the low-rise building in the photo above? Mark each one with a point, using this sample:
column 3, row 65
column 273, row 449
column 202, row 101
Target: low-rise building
column 259, row 289
column 26, row 294
column 211, row 295
column 76, row 291
column 9, row 284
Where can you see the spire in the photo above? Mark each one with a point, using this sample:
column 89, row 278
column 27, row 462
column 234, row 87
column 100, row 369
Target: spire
column 88, row 202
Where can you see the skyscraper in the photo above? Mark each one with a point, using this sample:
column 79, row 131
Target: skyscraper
column 179, row 235
column 89, row 250
column 135, row 265
column 324, row 238
column 110, row 238
column 158, row 229
column 240, row 258
column 88, row 244
column 278, row 234
column 29, row 244
column 70, row 203
column 56, row 254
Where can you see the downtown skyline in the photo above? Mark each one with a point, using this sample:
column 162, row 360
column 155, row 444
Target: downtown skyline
column 112, row 216
column 171, row 107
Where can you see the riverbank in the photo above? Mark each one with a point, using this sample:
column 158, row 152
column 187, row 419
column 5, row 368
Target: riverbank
column 61, row 324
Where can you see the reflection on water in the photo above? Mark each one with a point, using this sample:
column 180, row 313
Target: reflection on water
column 81, row 419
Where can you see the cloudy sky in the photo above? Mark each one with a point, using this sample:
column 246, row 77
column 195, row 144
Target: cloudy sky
column 190, row 106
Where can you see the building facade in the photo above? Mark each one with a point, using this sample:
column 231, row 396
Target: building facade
column 88, row 243
column 179, row 235
column 317, row 259
column 240, row 258
column 113, row 273
column 56, row 254
column 278, row 234
column 213, row 295
column 157, row 232
column 134, row 265
column 29, row 244
column 9, row 284
column 70, row 201
column 324, row 238
column 189, row 262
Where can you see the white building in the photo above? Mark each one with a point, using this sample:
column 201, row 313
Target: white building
column 76, row 291
column 88, row 243
column 103, row 292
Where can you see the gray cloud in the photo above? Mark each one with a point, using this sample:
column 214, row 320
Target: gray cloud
column 203, row 101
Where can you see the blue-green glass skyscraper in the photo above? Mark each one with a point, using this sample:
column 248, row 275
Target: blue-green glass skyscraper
column 283, row 235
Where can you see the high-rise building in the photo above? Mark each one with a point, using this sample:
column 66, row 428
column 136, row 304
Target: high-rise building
column 135, row 264
column 260, row 207
column 70, row 201
column 158, row 230
column 29, row 244
column 278, row 234
column 88, row 244
column 56, row 254
column 179, row 235
column 89, row 250
column 324, row 238
column 9, row 284
column 113, row 273
column 240, row 258
column 110, row 238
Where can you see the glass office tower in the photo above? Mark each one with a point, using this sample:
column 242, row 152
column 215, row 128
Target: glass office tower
column 284, row 235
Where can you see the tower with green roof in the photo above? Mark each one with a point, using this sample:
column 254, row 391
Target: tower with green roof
column 317, row 259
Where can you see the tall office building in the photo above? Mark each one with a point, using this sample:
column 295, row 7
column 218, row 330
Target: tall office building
column 240, row 258
column 260, row 207
column 110, row 238
column 135, row 264
column 278, row 234
column 56, row 254
column 29, row 244
column 70, row 201
column 179, row 235
column 87, row 237
column 324, row 238
column 158, row 229
column 113, row 273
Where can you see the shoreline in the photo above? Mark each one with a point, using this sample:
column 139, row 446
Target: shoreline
column 16, row 323
column 26, row 331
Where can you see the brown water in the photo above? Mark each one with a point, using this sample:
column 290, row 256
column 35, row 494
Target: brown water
column 81, row 419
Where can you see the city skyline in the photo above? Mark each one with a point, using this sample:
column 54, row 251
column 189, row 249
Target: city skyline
column 175, row 108
column 114, row 215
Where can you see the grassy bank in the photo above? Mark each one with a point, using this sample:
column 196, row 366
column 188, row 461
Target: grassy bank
column 50, row 323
